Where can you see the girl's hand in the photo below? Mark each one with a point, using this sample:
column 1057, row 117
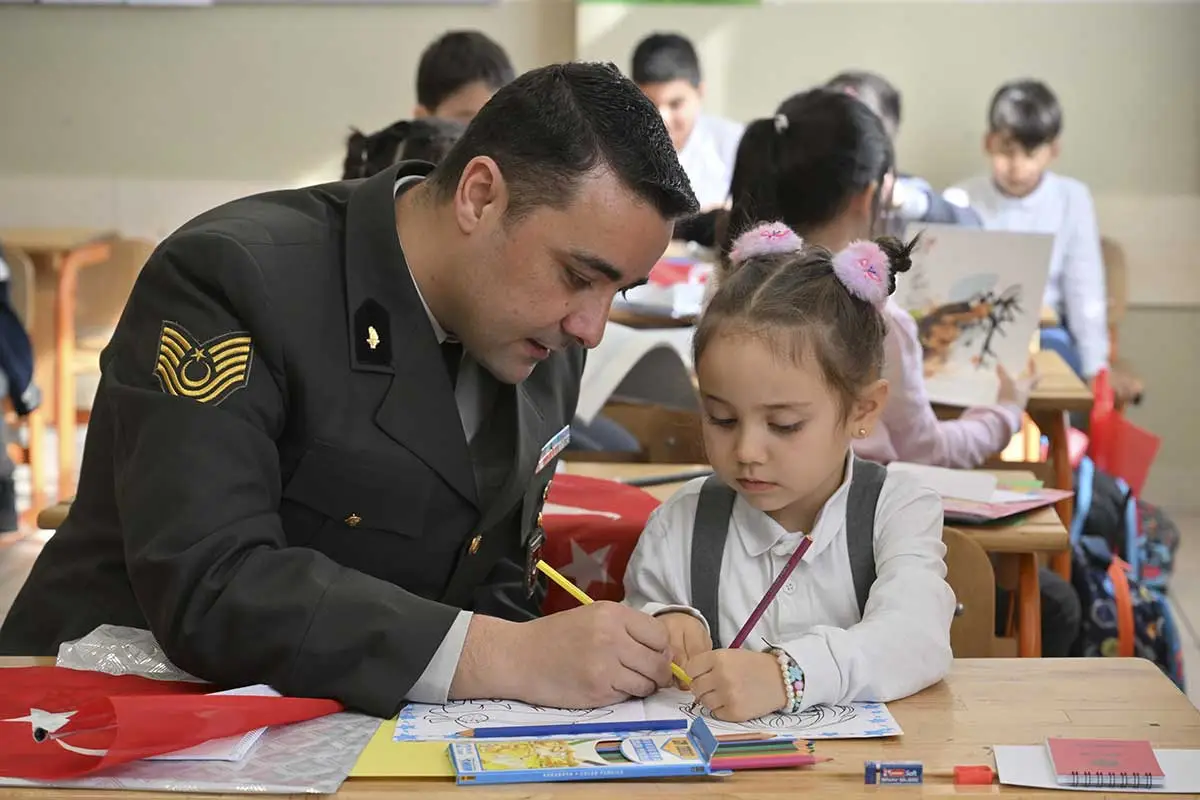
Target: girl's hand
column 689, row 638
column 1016, row 391
column 737, row 685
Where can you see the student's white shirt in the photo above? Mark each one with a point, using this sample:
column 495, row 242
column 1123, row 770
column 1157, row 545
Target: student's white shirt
column 1061, row 206
column 898, row 647
column 708, row 156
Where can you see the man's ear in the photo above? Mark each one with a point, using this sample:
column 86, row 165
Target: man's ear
column 868, row 408
column 482, row 194
column 1055, row 148
column 420, row 112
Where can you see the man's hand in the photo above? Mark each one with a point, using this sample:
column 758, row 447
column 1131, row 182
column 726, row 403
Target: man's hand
column 737, row 685
column 587, row 657
column 688, row 636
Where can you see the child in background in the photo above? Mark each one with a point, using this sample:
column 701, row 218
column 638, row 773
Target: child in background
column 458, row 73
column 913, row 199
column 1022, row 194
column 427, row 139
column 788, row 360
column 819, row 169
column 16, row 382
column 667, row 69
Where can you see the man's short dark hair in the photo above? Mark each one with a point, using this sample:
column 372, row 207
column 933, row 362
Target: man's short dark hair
column 456, row 59
column 665, row 57
column 554, row 125
column 1027, row 111
column 873, row 89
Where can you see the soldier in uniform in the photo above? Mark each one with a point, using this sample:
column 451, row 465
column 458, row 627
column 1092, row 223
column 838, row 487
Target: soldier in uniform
column 329, row 416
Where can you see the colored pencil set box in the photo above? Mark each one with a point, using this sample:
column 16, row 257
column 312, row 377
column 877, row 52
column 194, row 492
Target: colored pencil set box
column 683, row 753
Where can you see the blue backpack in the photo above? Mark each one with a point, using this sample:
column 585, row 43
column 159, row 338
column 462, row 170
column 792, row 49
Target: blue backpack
column 1124, row 614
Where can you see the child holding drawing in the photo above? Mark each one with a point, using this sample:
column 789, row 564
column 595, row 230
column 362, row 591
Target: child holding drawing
column 788, row 359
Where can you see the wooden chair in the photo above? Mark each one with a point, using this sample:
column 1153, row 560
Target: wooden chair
column 103, row 291
column 1127, row 385
column 30, row 447
column 969, row 573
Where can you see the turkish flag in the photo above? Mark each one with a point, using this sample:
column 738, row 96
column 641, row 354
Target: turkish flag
column 592, row 526
column 64, row 723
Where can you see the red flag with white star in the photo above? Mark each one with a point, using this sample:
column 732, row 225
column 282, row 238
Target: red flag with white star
column 64, row 723
column 592, row 526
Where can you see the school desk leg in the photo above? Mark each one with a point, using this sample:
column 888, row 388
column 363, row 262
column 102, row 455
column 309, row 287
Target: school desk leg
column 1029, row 607
column 1054, row 425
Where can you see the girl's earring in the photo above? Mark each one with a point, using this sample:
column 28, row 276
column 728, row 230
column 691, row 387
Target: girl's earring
column 862, row 432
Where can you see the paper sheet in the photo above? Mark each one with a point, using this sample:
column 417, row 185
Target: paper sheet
column 652, row 365
column 385, row 758
column 422, row 722
column 976, row 296
column 963, row 484
column 231, row 748
column 1029, row 766
column 847, row 721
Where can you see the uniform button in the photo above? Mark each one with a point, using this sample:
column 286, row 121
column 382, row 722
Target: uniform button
column 353, row 520
column 478, row 540
column 789, row 588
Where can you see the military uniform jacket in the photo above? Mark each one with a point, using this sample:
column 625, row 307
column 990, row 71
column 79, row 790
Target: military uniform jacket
column 276, row 481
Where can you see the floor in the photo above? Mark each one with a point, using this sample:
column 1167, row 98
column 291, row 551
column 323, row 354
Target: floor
column 17, row 554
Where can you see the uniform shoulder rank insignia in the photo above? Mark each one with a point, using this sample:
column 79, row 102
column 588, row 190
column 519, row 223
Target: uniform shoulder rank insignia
column 207, row 372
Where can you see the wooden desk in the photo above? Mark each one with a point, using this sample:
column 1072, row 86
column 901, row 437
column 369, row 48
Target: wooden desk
column 983, row 702
column 59, row 254
column 1058, row 393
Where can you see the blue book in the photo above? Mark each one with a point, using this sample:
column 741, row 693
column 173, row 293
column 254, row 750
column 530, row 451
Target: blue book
column 595, row 758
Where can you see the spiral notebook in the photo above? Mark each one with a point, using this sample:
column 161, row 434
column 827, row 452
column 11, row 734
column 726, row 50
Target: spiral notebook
column 1105, row 763
column 1031, row 766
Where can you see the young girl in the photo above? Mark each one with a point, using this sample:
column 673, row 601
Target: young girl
column 823, row 167
column 788, row 359
column 425, row 139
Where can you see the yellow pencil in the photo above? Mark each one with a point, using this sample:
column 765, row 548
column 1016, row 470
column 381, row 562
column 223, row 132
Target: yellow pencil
column 579, row 595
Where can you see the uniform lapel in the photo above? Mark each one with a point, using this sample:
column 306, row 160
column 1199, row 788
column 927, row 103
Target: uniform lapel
column 390, row 333
column 531, row 435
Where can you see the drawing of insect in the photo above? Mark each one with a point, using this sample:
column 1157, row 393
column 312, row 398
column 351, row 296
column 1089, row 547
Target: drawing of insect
column 971, row 321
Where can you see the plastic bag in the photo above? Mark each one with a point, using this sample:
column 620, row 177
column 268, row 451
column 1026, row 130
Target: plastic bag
column 117, row 650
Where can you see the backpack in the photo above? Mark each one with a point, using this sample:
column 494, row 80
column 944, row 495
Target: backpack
column 711, row 528
column 1124, row 615
column 1102, row 509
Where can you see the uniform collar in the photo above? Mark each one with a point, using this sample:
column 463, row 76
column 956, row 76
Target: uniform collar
column 760, row 533
column 406, row 182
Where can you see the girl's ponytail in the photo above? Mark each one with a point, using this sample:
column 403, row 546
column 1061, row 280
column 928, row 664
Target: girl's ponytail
column 753, row 187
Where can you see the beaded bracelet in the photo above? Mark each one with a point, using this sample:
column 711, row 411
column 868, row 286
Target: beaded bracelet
column 793, row 680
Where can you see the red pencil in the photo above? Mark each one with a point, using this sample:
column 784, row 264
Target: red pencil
column 767, row 761
column 761, row 608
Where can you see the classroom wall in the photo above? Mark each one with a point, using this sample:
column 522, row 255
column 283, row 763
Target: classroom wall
column 140, row 117
column 1127, row 74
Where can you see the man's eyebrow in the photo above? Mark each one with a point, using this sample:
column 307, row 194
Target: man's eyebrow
column 598, row 264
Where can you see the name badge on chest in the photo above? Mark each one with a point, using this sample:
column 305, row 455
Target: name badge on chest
column 553, row 447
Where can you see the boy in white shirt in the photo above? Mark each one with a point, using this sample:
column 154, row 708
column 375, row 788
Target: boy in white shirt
column 667, row 69
column 1023, row 194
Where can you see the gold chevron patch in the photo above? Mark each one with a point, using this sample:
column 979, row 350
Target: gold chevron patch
column 207, row 372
